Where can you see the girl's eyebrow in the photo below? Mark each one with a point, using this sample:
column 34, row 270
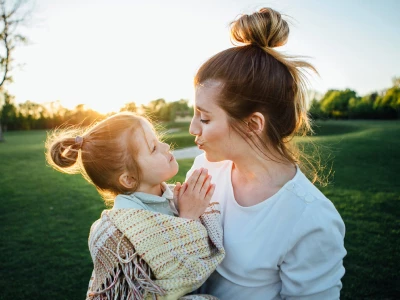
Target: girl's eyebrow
column 148, row 145
column 148, row 142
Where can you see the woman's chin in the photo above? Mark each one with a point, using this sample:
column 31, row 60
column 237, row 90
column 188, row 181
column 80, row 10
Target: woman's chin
column 212, row 158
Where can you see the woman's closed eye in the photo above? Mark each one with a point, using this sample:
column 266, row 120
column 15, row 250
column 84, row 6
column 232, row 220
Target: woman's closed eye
column 204, row 121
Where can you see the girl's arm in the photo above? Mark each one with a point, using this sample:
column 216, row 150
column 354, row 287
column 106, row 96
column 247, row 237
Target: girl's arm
column 194, row 195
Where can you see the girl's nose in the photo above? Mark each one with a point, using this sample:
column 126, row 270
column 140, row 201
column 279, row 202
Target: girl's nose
column 167, row 146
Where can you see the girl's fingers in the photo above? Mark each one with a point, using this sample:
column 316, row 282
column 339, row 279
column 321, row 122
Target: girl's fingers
column 176, row 189
column 182, row 189
column 177, row 186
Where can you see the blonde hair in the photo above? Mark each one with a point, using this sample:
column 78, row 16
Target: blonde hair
column 255, row 77
column 100, row 152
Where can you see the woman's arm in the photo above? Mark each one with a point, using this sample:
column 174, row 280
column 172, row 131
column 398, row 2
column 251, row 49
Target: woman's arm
column 313, row 266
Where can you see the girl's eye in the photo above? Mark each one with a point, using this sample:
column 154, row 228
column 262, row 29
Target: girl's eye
column 204, row 121
column 154, row 148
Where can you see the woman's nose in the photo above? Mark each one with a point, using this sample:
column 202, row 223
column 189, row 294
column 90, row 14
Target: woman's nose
column 194, row 128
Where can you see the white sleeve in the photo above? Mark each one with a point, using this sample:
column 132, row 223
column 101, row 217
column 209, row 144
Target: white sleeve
column 313, row 266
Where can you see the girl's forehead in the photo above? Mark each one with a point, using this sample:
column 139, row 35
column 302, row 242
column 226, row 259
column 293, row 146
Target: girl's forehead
column 148, row 130
column 146, row 125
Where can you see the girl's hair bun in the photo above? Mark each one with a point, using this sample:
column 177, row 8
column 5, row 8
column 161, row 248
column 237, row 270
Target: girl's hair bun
column 264, row 28
column 62, row 149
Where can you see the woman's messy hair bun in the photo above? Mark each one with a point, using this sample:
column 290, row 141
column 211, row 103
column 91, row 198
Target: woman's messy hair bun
column 264, row 28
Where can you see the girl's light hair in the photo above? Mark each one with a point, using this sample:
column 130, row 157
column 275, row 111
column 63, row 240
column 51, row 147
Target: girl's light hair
column 254, row 77
column 107, row 149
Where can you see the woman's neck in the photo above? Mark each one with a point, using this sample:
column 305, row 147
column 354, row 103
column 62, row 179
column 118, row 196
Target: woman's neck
column 252, row 170
column 255, row 180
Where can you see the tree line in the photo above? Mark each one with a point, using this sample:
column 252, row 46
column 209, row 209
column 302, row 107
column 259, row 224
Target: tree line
column 334, row 104
column 346, row 104
column 30, row 115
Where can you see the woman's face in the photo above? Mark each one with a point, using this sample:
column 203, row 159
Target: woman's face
column 210, row 125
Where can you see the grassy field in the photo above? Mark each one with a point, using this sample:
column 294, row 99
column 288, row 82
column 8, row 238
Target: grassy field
column 45, row 216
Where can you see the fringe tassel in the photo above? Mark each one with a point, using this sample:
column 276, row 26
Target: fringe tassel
column 131, row 280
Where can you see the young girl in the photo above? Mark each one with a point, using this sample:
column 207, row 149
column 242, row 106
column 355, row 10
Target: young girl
column 140, row 249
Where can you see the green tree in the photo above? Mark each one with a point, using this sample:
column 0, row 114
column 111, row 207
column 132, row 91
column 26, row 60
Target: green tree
column 131, row 106
column 387, row 105
column 29, row 114
column 363, row 108
column 8, row 113
column 160, row 110
column 394, row 96
column 315, row 111
column 179, row 108
column 82, row 115
column 335, row 103
column 12, row 15
column 157, row 109
column 57, row 113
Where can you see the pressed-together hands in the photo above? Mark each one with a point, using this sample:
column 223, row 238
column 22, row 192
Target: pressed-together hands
column 193, row 196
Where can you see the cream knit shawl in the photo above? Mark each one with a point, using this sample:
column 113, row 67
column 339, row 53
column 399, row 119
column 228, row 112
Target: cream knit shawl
column 139, row 254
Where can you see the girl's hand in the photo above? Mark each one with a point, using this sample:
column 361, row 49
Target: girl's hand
column 193, row 196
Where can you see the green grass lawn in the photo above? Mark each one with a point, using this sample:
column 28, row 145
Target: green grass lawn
column 45, row 216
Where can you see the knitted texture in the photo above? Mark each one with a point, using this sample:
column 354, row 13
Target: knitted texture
column 139, row 254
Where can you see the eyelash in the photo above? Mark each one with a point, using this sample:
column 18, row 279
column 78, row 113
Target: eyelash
column 204, row 121
column 154, row 149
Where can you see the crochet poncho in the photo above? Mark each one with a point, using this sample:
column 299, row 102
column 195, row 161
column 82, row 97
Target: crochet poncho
column 140, row 254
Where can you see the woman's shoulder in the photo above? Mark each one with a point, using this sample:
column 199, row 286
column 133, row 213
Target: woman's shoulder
column 309, row 202
column 303, row 190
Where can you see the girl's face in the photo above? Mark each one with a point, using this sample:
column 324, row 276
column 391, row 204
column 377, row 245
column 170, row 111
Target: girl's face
column 156, row 162
column 211, row 128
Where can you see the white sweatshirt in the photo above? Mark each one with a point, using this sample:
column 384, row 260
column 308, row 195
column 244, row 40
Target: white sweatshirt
column 289, row 246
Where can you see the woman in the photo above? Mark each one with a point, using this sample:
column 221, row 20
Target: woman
column 283, row 238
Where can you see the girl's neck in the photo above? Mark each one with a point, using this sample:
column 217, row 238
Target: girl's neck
column 151, row 189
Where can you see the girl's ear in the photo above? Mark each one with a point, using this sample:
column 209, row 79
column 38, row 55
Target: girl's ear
column 255, row 123
column 126, row 180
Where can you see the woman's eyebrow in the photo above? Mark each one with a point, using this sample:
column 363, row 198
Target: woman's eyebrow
column 202, row 109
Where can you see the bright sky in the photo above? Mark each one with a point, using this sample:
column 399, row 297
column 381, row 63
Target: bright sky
column 105, row 53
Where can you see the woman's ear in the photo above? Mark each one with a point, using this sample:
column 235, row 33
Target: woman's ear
column 256, row 123
column 127, row 180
